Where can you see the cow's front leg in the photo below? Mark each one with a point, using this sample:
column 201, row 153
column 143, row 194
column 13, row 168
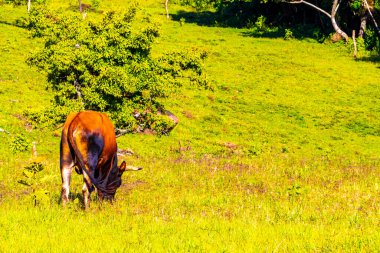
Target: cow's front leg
column 86, row 190
column 66, row 170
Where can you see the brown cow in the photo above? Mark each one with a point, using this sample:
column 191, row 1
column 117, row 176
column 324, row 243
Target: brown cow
column 88, row 143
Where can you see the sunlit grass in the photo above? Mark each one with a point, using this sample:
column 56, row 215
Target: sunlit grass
column 282, row 156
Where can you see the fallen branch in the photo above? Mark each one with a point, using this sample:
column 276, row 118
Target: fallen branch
column 120, row 132
column 3, row 130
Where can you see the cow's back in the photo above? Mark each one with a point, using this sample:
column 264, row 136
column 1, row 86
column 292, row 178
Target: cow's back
column 86, row 129
column 91, row 122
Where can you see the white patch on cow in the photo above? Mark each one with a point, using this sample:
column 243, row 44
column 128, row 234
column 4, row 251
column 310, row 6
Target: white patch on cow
column 66, row 176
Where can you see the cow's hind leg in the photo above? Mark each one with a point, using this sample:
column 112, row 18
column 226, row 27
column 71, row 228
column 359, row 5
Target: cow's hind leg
column 66, row 166
column 86, row 190
column 66, row 171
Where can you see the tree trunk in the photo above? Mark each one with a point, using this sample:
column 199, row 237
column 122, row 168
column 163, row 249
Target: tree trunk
column 80, row 6
column 334, row 9
column 363, row 24
column 354, row 40
column 29, row 4
column 167, row 8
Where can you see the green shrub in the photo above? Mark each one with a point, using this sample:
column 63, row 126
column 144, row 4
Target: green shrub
column 288, row 34
column 19, row 143
column 95, row 3
column 107, row 66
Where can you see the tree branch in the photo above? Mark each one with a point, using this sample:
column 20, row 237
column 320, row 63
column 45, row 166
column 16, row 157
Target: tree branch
column 334, row 9
column 3, row 130
column 373, row 19
column 120, row 132
column 311, row 5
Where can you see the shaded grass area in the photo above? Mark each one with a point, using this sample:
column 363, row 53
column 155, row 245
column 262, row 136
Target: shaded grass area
column 281, row 156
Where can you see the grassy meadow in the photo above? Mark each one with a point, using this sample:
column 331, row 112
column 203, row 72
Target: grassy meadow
column 282, row 156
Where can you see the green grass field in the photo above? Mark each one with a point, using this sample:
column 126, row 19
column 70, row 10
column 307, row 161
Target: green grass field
column 283, row 155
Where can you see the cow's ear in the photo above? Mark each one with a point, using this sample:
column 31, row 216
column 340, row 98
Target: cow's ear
column 122, row 167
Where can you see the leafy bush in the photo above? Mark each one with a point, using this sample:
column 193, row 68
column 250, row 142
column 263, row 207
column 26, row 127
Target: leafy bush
column 95, row 3
column 19, row 143
column 23, row 2
column 107, row 66
column 16, row 2
column 288, row 34
column 371, row 41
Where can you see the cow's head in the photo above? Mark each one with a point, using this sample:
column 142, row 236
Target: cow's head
column 114, row 181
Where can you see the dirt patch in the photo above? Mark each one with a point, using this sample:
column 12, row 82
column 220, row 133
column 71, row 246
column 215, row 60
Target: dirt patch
column 132, row 185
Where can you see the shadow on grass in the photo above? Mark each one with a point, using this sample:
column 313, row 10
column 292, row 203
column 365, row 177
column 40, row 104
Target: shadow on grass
column 211, row 19
column 17, row 23
column 203, row 18
column 270, row 33
column 298, row 32
column 372, row 58
column 214, row 19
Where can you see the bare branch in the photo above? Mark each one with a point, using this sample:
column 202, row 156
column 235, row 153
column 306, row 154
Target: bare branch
column 334, row 9
column 311, row 5
column 373, row 19
column 80, row 6
column 121, row 132
column 3, row 130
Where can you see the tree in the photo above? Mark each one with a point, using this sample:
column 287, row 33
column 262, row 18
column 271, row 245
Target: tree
column 106, row 65
column 332, row 16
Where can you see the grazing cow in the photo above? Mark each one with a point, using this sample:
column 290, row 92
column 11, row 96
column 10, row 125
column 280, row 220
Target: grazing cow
column 88, row 143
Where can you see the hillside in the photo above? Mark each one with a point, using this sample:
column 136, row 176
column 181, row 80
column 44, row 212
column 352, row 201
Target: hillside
column 283, row 154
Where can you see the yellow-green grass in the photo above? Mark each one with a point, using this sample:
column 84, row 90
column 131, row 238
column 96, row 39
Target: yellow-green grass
column 282, row 156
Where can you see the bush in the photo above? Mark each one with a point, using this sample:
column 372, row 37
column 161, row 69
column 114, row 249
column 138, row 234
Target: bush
column 288, row 34
column 107, row 66
column 19, row 143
